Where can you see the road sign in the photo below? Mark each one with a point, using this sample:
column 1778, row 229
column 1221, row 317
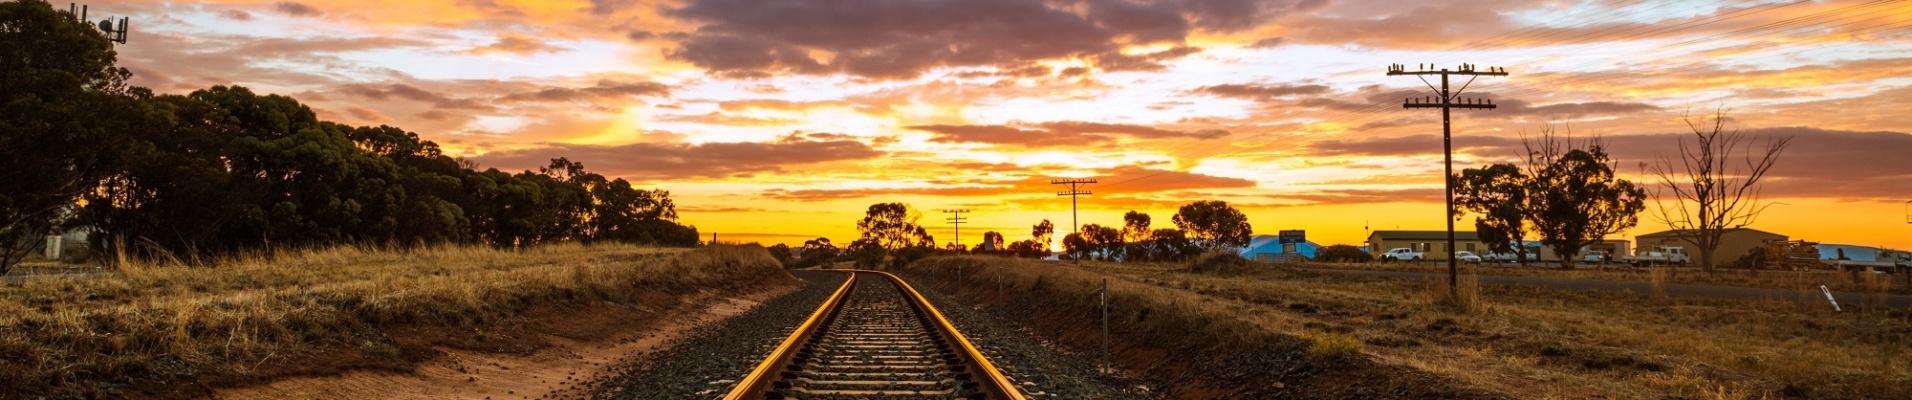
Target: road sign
column 1293, row 236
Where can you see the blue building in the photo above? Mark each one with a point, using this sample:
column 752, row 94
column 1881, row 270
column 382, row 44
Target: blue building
column 1269, row 248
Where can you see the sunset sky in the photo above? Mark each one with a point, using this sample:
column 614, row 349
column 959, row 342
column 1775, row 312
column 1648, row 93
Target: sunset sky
column 781, row 121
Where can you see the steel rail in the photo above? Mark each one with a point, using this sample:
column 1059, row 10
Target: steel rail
column 759, row 376
column 1007, row 388
column 762, row 380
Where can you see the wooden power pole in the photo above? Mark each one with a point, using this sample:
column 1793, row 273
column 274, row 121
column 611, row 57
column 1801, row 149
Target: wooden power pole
column 957, row 220
column 1447, row 101
column 1075, row 189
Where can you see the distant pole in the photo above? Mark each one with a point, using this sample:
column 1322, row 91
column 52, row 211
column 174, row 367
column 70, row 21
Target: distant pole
column 1075, row 189
column 1447, row 101
column 957, row 220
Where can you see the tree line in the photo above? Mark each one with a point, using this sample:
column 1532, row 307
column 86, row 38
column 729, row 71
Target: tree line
column 224, row 170
column 890, row 232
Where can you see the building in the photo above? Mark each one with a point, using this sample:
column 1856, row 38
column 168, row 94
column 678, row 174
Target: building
column 1733, row 244
column 1268, row 248
column 1433, row 243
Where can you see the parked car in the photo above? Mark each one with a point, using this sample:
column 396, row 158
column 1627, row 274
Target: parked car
column 1596, row 257
column 1467, row 256
column 1674, row 255
column 1499, row 257
column 1402, row 254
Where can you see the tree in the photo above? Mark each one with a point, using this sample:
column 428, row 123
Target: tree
column 1028, row 249
column 1213, row 224
column 867, row 253
column 1575, row 198
column 1498, row 193
column 1135, row 226
column 1714, row 185
column 782, row 253
column 63, row 109
column 1102, row 242
column 892, row 226
column 817, row 252
column 1042, row 233
column 1076, row 247
column 992, row 242
column 1166, row 244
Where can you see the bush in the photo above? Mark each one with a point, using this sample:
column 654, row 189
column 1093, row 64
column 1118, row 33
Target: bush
column 1334, row 345
column 1220, row 261
column 1343, row 253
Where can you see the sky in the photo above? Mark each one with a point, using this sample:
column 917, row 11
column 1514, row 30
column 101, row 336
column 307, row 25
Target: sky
column 782, row 120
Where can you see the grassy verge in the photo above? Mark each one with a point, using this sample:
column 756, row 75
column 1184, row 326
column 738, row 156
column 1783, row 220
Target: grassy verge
column 150, row 329
column 1185, row 344
column 1856, row 282
column 1548, row 343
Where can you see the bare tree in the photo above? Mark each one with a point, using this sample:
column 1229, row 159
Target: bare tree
column 1714, row 184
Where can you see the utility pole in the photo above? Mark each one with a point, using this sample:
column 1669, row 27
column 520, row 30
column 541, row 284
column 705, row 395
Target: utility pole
column 1447, row 101
column 957, row 221
column 1075, row 189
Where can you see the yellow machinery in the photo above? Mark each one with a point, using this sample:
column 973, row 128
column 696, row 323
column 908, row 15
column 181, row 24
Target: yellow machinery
column 1791, row 254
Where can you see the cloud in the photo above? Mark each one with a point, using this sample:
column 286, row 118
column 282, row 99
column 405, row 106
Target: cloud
column 1129, row 179
column 296, row 9
column 1257, row 91
column 1517, row 107
column 236, row 15
column 902, row 39
column 1055, row 134
column 604, row 89
column 665, row 161
column 1819, row 162
column 516, row 45
column 722, row 119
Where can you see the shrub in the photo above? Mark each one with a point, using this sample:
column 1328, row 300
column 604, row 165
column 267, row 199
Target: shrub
column 1219, row 261
column 1334, row 345
column 1343, row 253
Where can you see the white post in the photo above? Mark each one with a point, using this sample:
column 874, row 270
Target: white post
column 1828, row 292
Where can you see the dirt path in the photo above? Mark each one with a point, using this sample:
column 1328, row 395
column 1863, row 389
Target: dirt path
column 557, row 370
column 1644, row 288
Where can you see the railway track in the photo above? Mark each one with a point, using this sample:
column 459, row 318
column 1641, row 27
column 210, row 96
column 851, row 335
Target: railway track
column 876, row 337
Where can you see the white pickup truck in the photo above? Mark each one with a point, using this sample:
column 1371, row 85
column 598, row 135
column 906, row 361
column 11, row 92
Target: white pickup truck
column 1401, row 254
column 1670, row 255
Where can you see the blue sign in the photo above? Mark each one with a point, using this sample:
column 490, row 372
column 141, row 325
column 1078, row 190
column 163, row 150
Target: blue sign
column 1292, row 237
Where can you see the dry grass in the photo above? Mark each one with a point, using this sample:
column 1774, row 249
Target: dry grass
column 148, row 321
column 1549, row 343
column 1856, row 282
column 1461, row 298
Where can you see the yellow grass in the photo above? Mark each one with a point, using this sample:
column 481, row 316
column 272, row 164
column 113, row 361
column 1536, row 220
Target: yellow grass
column 250, row 311
column 1857, row 282
column 1535, row 342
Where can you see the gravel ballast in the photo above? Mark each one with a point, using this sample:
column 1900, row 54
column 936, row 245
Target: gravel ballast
column 1039, row 370
column 708, row 361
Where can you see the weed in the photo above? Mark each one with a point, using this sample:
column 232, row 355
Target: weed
column 1334, row 345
